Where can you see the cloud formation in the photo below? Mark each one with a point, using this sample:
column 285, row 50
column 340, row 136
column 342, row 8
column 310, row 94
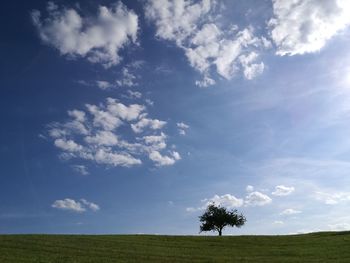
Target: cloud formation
column 281, row 190
column 206, row 45
column 97, row 38
column 76, row 206
column 94, row 134
column 230, row 201
column 80, row 169
column 333, row 198
column 290, row 211
column 182, row 127
column 227, row 200
column 257, row 199
column 304, row 26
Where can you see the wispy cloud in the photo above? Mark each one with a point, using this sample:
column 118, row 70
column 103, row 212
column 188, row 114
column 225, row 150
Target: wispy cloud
column 80, row 169
column 281, row 190
column 332, row 198
column 182, row 127
column 290, row 211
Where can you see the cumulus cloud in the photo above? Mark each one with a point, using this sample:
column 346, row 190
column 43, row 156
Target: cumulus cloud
column 290, row 211
column 94, row 207
column 97, row 38
column 230, row 201
column 68, row 145
column 227, row 200
column 304, row 26
column 76, row 206
column 257, row 199
column 281, row 190
column 94, row 134
column 162, row 160
column 207, row 45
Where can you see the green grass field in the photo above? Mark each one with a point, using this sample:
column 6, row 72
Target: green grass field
column 316, row 247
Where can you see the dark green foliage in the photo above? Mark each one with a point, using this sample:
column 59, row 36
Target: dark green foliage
column 311, row 248
column 215, row 218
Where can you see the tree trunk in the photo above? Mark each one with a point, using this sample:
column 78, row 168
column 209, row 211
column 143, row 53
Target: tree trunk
column 220, row 232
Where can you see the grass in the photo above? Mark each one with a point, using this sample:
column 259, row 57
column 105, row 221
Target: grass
column 316, row 247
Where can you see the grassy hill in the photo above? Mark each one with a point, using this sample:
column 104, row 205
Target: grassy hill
column 316, row 247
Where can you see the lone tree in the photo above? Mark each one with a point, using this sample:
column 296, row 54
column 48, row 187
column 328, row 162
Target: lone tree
column 215, row 218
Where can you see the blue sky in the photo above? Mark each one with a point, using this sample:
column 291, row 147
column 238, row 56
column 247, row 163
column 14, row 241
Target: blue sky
column 130, row 117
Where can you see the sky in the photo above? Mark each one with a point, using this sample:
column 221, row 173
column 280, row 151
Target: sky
column 130, row 117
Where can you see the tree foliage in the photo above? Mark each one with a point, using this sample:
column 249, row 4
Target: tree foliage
column 215, row 218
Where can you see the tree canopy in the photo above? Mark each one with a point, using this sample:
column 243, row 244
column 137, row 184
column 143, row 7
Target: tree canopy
column 216, row 218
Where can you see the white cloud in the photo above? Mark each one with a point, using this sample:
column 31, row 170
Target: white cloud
column 206, row 45
column 257, row 199
column 227, row 200
column 156, row 142
column 75, row 206
column 332, row 198
column 106, row 138
column 133, row 94
column 80, row 169
column 68, row 145
column 182, row 127
column 127, row 79
column 230, row 201
column 112, row 117
column 249, row 188
column 278, row 222
column 193, row 209
column 281, row 190
column 98, row 38
column 99, row 137
column 94, row 207
column 69, row 204
column 153, row 124
column 128, row 113
column 290, row 211
column 251, row 69
column 304, row 26
column 149, row 102
column 205, row 82
column 77, row 115
column 106, row 156
column 102, row 84
column 103, row 119
column 163, row 160
column 176, row 20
